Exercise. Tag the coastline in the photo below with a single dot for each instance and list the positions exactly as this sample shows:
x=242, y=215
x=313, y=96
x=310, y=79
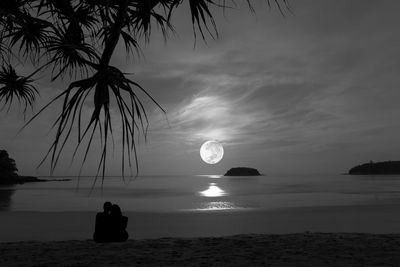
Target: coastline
x=301, y=249
x=18, y=226
x=27, y=179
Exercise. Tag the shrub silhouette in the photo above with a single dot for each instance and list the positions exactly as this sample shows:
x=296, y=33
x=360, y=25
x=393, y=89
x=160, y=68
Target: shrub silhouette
x=8, y=168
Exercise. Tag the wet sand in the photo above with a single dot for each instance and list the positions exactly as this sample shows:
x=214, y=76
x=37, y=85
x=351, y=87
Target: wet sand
x=302, y=249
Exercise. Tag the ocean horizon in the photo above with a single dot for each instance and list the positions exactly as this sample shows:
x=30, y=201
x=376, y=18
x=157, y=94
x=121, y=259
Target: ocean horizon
x=177, y=193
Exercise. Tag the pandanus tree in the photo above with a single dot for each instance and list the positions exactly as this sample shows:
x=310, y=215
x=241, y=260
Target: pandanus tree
x=76, y=39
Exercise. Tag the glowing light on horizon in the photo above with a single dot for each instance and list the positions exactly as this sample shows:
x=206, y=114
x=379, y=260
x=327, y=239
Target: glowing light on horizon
x=213, y=191
x=214, y=176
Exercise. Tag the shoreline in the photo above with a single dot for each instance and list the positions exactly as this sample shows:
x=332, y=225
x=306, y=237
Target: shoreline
x=28, y=179
x=57, y=226
x=300, y=249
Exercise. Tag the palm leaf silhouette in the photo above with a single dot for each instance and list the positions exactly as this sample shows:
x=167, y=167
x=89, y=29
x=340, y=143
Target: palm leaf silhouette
x=106, y=82
x=31, y=33
x=68, y=52
x=15, y=86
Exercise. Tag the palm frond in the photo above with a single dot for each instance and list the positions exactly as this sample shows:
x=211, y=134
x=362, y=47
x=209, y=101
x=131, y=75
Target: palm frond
x=11, y=7
x=200, y=14
x=130, y=43
x=85, y=16
x=69, y=53
x=5, y=50
x=282, y=5
x=56, y=7
x=31, y=33
x=10, y=13
x=100, y=3
x=12, y=85
x=108, y=83
x=142, y=15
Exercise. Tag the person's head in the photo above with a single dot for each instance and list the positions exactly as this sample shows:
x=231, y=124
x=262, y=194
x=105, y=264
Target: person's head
x=107, y=207
x=116, y=210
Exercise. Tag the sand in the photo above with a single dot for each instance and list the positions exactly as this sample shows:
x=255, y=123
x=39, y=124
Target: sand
x=303, y=249
x=285, y=237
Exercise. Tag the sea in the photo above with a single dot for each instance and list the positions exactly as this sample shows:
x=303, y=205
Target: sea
x=202, y=193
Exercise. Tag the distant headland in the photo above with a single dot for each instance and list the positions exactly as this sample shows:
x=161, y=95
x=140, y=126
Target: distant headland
x=385, y=167
x=9, y=175
x=242, y=171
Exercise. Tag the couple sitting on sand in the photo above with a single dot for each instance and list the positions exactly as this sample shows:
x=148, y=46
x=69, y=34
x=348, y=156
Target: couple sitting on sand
x=110, y=225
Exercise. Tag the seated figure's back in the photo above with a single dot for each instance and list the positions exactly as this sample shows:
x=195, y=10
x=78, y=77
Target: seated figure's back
x=102, y=232
x=118, y=224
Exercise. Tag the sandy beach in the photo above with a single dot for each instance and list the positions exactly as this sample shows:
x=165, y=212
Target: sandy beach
x=285, y=237
x=302, y=249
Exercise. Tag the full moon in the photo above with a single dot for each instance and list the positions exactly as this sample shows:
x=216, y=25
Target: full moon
x=211, y=152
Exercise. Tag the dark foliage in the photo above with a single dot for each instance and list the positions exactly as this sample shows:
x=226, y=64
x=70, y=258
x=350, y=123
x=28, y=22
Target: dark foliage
x=386, y=167
x=8, y=172
x=8, y=169
x=15, y=86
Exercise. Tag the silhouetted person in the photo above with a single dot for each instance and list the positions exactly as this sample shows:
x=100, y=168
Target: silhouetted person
x=118, y=225
x=102, y=229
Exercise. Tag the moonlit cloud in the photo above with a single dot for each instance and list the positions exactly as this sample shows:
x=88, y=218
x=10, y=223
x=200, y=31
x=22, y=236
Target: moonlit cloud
x=215, y=117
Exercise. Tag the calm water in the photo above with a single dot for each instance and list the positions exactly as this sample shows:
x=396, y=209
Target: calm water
x=203, y=193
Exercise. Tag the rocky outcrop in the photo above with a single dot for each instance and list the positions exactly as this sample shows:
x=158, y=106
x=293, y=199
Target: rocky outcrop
x=242, y=171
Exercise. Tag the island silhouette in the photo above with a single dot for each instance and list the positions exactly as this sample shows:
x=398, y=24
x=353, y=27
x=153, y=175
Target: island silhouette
x=9, y=172
x=242, y=171
x=385, y=167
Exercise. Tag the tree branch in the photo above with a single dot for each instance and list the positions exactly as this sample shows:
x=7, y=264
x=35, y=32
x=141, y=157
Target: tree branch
x=113, y=39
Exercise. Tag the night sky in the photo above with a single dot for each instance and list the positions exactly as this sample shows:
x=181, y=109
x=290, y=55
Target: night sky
x=316, y=91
